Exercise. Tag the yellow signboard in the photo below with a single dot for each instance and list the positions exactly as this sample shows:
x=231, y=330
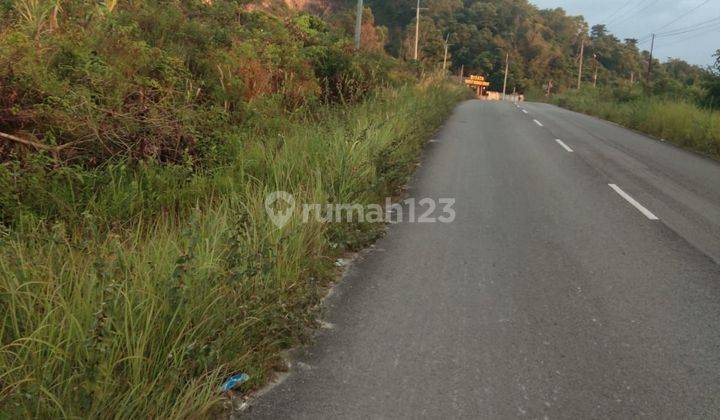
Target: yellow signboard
x=475, y=82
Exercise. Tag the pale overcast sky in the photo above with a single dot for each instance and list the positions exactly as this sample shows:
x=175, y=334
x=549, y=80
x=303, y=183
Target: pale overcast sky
x=696, y=34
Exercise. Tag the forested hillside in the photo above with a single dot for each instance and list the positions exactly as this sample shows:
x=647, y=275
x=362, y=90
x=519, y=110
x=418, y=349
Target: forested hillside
x=673, y=100
x=543, y=45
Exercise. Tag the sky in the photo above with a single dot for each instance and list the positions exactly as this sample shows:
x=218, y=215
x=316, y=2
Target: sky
x=639, y=18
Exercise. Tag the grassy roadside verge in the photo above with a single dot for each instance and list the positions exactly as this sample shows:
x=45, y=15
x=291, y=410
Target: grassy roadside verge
x=132, y=292
x=682, y=123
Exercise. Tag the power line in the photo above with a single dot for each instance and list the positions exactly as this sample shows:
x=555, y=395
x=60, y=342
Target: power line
x=693, y=36
x=683, y=15
x=632, y=5
x=692, y=25
x=631, y=11
x=700, y=26
x=613, y=14
x=642, y=9
x=708, y=26
x=694, y=28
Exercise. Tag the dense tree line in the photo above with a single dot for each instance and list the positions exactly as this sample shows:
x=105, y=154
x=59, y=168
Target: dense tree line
x=543, y=46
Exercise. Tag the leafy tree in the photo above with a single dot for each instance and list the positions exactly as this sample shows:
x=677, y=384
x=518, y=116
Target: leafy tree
x=542, y=44
x=712, y=83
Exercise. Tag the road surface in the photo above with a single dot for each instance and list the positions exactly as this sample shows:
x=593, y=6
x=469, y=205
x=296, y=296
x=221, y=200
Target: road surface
x=580, y=279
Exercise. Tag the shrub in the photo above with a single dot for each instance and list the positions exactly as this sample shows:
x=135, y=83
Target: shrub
x=681, y=122
x=131, y=291
x=167, y=82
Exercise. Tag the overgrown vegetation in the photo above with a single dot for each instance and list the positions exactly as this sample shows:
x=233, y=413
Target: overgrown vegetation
x=681, y=122
x=134, y=292
x=166, y=81
x=139, y=139
x=688, y=117
x=138, y=268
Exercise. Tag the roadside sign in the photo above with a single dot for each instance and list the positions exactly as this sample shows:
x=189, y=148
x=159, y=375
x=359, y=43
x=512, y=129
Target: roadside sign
x=475, y=80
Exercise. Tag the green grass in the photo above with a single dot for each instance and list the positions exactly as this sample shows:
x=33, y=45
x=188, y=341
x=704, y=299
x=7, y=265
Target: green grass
x=132, y=292
x=680, y=122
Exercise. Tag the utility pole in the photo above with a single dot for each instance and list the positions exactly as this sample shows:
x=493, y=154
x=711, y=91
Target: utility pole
x=507, y=66
x=358, y=24
x=417, y=30
x=652, y=47
x=447, y=44
x=582, y=52
x=596, y=70
x=462, y=72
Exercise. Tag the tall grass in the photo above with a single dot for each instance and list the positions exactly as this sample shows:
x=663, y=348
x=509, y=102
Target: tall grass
x=679, y=122
x=132, y=292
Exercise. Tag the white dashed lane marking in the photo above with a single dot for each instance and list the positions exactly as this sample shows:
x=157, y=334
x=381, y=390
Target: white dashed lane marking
x=632, y=201
x=564, y=146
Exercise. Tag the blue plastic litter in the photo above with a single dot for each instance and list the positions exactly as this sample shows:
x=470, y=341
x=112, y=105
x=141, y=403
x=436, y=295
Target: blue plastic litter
x=235, y=381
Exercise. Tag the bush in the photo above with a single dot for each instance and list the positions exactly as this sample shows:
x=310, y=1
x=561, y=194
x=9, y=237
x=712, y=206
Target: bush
x=138, y=267
x=167, y=82
x=680, y=122
x=712, y=92
x=132, y=291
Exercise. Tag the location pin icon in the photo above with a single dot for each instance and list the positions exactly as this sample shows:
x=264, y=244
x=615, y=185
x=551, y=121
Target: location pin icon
x=277, y=216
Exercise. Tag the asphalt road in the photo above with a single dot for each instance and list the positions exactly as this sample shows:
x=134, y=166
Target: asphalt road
x=552, y=295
